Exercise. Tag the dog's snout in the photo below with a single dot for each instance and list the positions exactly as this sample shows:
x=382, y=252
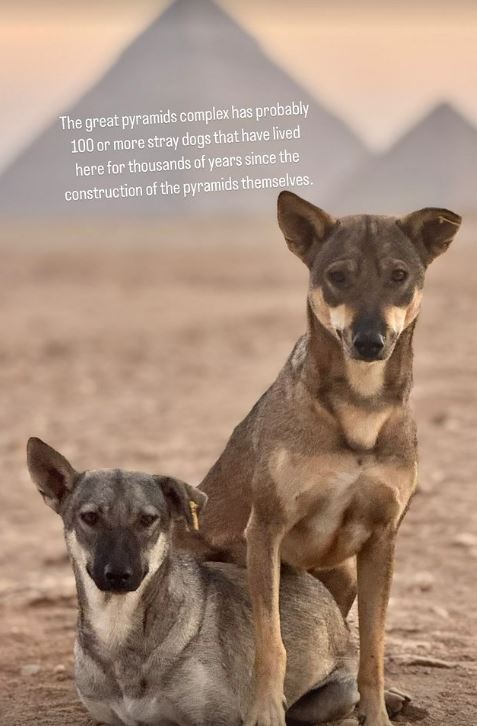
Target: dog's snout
x=118, y=578
x=117, y=565
x=369, y=344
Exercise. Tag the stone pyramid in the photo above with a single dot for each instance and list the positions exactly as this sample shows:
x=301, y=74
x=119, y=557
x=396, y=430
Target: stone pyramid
x=432, y=164
x=194, y=55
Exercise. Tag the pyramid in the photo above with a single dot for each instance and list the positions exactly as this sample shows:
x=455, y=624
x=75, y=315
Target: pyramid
x=433, y=164
x=193, y=56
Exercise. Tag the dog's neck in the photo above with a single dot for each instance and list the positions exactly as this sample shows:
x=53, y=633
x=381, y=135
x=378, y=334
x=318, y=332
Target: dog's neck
x=156, y=613
x=112, y=618
x=330, y=376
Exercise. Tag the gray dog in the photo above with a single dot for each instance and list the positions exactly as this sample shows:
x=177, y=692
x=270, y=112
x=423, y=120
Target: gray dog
x=163, y=638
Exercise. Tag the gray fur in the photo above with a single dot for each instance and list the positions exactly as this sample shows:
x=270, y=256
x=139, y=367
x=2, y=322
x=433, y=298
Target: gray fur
x=178, y=650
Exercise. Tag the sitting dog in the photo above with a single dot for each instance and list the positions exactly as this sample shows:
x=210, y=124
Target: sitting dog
x=321, y=471
x=164, y=639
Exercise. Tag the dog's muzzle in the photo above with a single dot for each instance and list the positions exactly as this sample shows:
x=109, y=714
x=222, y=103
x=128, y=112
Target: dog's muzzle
x=368, y=345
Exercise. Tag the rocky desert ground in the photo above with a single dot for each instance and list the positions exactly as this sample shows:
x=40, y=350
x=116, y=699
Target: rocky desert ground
x=146, y=358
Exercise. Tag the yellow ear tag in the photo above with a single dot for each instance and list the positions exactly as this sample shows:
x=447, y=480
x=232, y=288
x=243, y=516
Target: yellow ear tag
x=193, y=510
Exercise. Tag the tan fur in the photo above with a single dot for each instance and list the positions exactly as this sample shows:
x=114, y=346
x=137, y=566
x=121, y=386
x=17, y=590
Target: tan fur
x=375, y=570
x=413, y=309
x=399, y=318
x=270, y=657
x=395, y=318
x=361, y=429
x=321, y=471
x=331, y=503
x=366, y=379
x=334, y=319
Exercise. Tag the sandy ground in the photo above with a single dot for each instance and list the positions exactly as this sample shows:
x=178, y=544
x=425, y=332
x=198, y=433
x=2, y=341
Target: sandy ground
x=147, y=360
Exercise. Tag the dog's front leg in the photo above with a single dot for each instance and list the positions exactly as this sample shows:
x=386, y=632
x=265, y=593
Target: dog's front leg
x=263, y=566
x=375, y=566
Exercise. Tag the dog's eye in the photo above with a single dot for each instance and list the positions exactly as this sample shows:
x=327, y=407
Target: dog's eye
x=337, y=277
x=398, y=275
x=146, y=520
x=90, y=518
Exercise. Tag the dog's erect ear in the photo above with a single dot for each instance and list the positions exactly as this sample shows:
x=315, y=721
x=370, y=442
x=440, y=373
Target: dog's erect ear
x=51, y=472
x=432, y=230
x=304, y=226
x=184, y=500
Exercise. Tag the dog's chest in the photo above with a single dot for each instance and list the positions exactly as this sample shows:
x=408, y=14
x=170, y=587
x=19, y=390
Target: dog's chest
x=190, y=698
x=361, y=428
x=122, y=689
x=114, y=700
x=334, y=502
x=152, y=710
x=113, y=621
x=135, y=692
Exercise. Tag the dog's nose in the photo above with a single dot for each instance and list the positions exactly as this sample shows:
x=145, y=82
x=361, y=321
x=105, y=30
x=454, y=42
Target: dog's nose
x=369, y=344
x=118, y=578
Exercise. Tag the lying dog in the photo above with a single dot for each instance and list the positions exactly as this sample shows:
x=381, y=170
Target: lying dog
x=164, y=639
x=324, y=466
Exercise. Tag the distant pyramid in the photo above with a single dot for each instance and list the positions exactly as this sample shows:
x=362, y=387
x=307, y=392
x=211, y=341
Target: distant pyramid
x=432, y=164
x=191, y=57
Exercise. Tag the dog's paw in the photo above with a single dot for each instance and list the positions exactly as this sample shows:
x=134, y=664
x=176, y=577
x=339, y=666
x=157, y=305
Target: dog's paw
x=266, y=712
x=365, y=720
x=373, y=719
x=396, y=701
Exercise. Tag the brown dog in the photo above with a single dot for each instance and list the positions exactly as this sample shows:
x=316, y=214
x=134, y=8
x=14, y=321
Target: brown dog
x=321, y=471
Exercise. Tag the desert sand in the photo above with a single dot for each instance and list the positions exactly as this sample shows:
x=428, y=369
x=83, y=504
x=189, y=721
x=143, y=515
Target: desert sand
x=146, y=360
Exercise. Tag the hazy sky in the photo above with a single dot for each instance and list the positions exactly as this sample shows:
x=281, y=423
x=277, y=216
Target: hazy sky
x=378, y=64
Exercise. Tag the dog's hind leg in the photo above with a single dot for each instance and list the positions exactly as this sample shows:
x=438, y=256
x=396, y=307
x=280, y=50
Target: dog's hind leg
x=335, y=700
x=341, y=582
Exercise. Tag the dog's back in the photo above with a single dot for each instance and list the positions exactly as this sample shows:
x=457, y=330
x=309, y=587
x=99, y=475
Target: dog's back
x=316, y=636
